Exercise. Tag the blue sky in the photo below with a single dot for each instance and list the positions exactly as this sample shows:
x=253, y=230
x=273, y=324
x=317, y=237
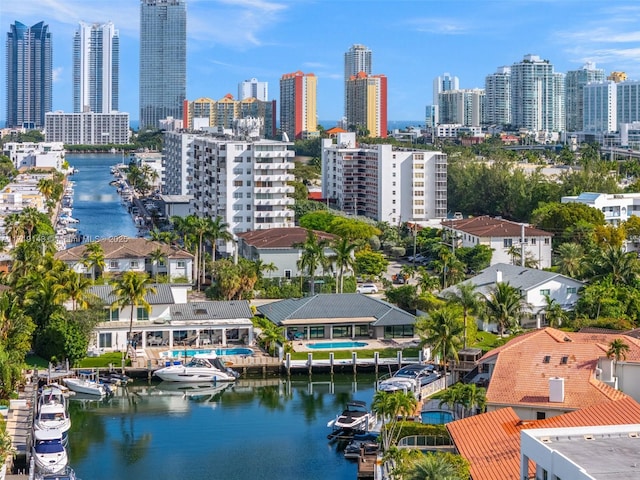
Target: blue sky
x=412, y=41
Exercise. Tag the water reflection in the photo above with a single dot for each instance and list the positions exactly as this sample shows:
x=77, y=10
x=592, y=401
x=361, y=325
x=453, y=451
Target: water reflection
x=272, y=428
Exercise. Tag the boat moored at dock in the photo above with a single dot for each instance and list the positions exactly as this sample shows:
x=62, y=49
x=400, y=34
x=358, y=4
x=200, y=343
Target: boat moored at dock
x=355, y=418
x=49, y=453
x=203, y=367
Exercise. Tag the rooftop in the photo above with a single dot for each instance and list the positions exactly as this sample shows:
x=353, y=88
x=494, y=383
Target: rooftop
x=123, y=247
x=280, y=237
x=485, y=226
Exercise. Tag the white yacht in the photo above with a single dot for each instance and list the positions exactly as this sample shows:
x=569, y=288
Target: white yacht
x=49, y=453
x=86, y=383
x=354, y=418
x=51, y=412
x=203, y=367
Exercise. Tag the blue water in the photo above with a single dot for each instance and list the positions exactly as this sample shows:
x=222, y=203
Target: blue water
x=96, y=203
x=317, y=346
x=219, y=351
x=268, y=428
x=436, y=417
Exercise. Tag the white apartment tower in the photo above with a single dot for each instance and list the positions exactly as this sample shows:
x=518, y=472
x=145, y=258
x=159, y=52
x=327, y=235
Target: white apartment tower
x=599, y=112
x=176, y=165
x=244, y=182
x=442, y=84
x=253, y=89
x=382, y=182
x=628, y=107
x=534, y=103
x=96, y=57
x=462, y=107
x=357, y=59
x=575, y=81
x=497, y=88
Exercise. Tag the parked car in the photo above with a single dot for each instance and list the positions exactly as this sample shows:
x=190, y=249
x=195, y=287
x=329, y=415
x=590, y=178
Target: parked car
x=399, y=279
x=367, y=288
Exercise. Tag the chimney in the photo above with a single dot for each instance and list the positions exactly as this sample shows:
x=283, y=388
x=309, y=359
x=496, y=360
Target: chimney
x=556, y=389
x=498, y=276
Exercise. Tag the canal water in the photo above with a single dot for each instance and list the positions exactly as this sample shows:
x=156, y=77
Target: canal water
x=96, y=203
x=255, y=429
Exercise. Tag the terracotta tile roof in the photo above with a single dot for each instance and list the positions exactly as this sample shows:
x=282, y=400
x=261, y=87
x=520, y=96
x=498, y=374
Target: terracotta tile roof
x=485, y=226
x=491, y=441
x=522, y=371
x=123, y=247
x=280, y=237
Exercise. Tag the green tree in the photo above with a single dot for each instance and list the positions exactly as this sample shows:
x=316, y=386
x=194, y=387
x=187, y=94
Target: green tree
x=344, y=258
x=131, y=290
x=559, y=218
x=469, y=299
x=312, y=256
x=618, y=350
x=390, y=407
x=442, y=330
x=622, y=267
x=74, y=287
x=93, y=258
x=570, y=260
x=553, y=312
x=369, y=263
x=157, y=256
x=433, y=466
x=504, y=306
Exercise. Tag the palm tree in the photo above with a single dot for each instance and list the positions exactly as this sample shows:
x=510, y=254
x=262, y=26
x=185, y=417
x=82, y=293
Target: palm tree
x=623, y=267
x=553, y=312
x=13, y=227
x=389, y=406
x=426, y=281
x=75, y=287
x=131, y=289
x=442, y=330
x=432, y=466
x=469, y=299
x=504, y=305
x=217, y=230
x=156, y=257
x=29, y=219
x=570, y=260
x=344, y=258
x=473, y=397
x=312, y=256
x=93, y=258
x=262, y=267
x=618, y=350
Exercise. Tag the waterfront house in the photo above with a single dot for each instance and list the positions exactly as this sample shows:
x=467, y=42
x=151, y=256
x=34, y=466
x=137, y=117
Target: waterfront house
x=534, y=284
x=172, y=321
x=339, y=316
x=549, y=372
x=122, y=254
x=506, y=239
x=280, y=247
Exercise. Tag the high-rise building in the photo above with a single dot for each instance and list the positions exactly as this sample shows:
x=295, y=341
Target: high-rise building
x=599, y=113
x=357, y=59
x=534, y=103
x=498, y=97
x=96, y=64
x=253, y=89
x=87, y=128
x=383, y=182
x=29, y=75
x=575, y=82
x=462, y=107
x=298, y=105
x=442, y=84
x=163, y=60
x=628, y=99
x=367, y=103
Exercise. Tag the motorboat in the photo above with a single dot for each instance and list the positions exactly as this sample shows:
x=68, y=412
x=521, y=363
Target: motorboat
x=360, y=443
x=354, y=418
x=51, y=411
x=49, y=453
x=410, y=378
x=66, y=474
x=203, y=367
x=86, y=383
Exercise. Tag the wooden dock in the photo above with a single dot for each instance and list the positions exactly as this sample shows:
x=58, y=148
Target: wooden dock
x=19, y=423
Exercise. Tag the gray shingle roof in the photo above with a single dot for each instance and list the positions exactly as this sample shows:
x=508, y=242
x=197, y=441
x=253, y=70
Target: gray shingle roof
x=163, y=295
x=328, y=306
x=211, y=310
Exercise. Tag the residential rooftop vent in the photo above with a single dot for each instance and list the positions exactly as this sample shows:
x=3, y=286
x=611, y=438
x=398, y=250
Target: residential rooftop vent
x=589, y=437
x=547, y=359
x=200, y=311
x=564, y=360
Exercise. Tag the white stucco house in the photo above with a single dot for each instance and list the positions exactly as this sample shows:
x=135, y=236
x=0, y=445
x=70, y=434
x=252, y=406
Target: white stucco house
x=534, y=284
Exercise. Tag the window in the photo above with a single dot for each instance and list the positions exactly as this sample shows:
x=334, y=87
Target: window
x=316, y=332
x=114, y=264
x=545, y=291
x=287, y=274
x=572, y=290
x=180, y=264
x=541, y=415
x=396, y=331
x=361, y=330
x=237, y=183
x=142, y=314
x=546, y=241
x=507, y=242
x=134, y=264
x=533, y=241
x=111, y=314
x=342, y=331
x=104, y=340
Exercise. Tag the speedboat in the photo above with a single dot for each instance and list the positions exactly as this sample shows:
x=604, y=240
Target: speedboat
x=359, y=443
x=203, y=367
x=86, y=383
x=66, y=474
x=51, y=412
x=410, y=378
x=354, y=418
x=49, y=453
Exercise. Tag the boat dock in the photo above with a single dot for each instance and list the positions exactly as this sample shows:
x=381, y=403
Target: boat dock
x=19, y=424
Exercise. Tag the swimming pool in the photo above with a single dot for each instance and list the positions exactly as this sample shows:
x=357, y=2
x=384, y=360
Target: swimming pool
x=436, y=417
x=219, y=351
x=318, y=346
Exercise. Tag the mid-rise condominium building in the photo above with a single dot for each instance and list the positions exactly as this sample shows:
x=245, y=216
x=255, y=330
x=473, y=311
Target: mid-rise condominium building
x=628, y=107
x=383, y=182
x=96, y=59
x=29, y=75
x=253, y=89
x=600, y=107
x=205, y=112
x=163, y=60
x=575, y=81
x=87, y=128
x=463, y=107
x=497, y=88
x=176, y=176
x=357, y=59
x=298, y=105
x=441, y=84
x=244, y=182
x=536, y=102
x=367, y=104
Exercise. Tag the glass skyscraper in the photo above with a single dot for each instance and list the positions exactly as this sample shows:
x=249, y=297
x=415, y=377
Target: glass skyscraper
x=96, y=58
x=163, y=60
x=29, y=75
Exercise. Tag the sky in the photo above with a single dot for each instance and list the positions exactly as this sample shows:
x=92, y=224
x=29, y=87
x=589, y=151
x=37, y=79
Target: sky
x=413, y=41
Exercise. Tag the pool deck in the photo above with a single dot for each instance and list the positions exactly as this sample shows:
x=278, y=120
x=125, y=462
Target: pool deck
x=372, y=344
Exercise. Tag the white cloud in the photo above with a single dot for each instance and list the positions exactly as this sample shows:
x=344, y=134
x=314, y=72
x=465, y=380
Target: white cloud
x=56, y=73
x=440, y=26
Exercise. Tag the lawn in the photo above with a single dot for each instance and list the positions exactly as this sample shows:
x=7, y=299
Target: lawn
x=103, y=361
x=487, y=341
